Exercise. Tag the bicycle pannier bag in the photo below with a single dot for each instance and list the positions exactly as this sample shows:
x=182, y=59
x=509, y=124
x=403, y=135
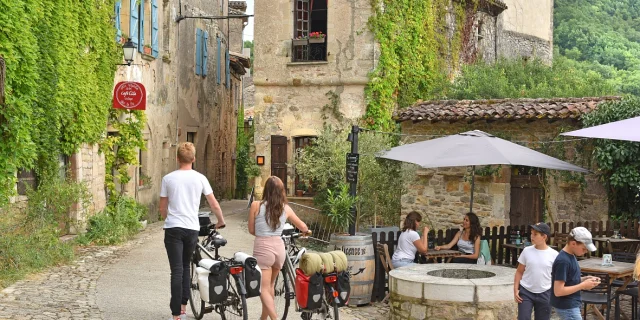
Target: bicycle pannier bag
x=203, y=282
x=309, y=290
x=252, y=273
x=218, y=279
x=205, y=221
x=344, y=288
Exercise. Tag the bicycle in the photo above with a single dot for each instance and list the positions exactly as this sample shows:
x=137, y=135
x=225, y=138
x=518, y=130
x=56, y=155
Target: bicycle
x=285, y=282
x=235, y=306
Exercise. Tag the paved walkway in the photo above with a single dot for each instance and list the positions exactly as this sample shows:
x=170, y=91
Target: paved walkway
x=130, y=281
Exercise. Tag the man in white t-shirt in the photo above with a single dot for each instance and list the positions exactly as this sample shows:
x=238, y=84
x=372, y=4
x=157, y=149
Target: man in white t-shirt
x=532, y=282
x=179, y=205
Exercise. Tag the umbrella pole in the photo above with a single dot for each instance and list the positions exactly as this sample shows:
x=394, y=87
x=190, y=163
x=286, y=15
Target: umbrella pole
x=473, y=182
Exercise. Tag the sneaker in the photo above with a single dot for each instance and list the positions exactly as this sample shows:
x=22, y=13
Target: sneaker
x=183, y=315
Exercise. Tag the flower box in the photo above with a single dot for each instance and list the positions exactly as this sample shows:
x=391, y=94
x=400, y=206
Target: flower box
x=316, y=40
x=147, y=50
x=299, y=42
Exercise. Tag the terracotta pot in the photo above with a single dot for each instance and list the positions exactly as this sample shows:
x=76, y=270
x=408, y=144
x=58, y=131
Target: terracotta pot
x=147, y=50
x=299, y=193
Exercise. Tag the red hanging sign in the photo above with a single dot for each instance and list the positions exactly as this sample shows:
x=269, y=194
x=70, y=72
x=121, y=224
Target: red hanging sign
x=130, y=95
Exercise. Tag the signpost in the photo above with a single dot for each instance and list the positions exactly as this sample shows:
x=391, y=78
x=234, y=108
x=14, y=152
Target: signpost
x=352, y=174
x=130, y=95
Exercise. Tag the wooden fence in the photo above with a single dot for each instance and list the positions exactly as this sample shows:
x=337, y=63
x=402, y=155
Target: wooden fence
x=497, y=236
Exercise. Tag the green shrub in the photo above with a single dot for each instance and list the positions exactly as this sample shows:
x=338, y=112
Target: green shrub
x=115, y=224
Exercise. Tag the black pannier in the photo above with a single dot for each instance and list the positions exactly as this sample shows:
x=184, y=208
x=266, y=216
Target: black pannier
x=218, y=280
x=252, y=273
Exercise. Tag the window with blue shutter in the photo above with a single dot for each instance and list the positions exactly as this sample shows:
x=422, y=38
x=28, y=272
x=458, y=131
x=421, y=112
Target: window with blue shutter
x=141, y=27
x=218, y=61
x=226, y=69
x=118, y=7
x=198, y=51
x=133, y=21
x=205, y=52
x=154, y=28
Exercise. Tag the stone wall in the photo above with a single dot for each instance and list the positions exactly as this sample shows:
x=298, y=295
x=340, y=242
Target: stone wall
x=444, y=193
x=526, y=29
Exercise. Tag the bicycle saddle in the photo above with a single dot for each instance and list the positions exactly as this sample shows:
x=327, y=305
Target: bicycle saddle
x=221, y=242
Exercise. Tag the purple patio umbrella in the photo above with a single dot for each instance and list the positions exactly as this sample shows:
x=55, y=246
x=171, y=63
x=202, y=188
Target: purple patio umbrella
x=474, y=148
x=628, y=130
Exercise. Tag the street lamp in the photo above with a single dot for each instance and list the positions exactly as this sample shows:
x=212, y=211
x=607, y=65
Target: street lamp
x=249, y=125
x=129, y=51
x=250, y=121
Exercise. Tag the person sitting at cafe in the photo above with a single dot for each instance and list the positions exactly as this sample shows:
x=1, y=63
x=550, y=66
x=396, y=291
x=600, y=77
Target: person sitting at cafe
x=532, y=281
x=410, y=241
x=467, y=240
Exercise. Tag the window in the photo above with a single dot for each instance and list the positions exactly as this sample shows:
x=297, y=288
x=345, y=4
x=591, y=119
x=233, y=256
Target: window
x=144, y=181
x=202, y=52
x=27, y=180
x=117, y=9
x=310, y=16
x=218, y=59
x=300, y=183
x=155, y=46
x=227, y=80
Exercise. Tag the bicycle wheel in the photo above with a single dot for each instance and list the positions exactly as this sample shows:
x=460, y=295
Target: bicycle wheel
x=235, y=307
x=283, y=294
x=196, y=302
x=336, y=310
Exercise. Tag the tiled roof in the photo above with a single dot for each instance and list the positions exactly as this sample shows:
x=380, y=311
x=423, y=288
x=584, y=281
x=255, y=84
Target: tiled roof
x=502, y=109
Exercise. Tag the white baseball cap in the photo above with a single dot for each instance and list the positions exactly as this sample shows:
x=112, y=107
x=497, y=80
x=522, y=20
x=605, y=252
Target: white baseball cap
x=581, y=234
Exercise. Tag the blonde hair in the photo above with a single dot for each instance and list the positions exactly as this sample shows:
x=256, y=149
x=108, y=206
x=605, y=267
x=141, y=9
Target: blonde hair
x=186, y=152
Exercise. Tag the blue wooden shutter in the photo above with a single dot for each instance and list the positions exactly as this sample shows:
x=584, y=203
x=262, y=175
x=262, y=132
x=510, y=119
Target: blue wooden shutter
x=154, y=28
x=198, y=51
x=118, y=7
x=133, y=21
x=205, y=52
x=141, y=27
x=218, y=61
x=226, y=69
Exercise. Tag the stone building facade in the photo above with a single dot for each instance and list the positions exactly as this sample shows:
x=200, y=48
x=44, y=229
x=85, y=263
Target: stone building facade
x=510, y=195
x=294, y=80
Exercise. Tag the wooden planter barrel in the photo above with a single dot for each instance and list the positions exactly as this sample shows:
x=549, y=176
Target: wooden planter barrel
x=360, y=254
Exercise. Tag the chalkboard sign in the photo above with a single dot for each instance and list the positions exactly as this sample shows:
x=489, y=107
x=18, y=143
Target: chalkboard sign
x=352, y=167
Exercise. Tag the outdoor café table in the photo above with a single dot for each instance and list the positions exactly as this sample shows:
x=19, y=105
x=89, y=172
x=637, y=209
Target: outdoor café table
x=615, y=241
x=517, y=249
x=446, y=255
x=619, y=270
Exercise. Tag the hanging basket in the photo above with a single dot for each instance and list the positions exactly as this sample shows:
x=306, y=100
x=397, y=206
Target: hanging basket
x=299, y=42
x=316, y=40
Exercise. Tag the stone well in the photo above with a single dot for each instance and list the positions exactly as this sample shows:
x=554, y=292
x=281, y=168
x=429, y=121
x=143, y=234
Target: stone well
x=452, y=291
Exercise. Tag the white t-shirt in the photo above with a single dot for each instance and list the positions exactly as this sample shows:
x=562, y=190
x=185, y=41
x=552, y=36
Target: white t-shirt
x=406, y=249
x=183, y=188
x=537, y=272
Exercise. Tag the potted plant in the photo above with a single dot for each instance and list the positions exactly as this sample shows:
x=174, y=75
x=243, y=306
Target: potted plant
x=301, y=188
x=147, y=49
x=145, y=181
x=300, y=41
x=123, y=38
x=316, y=37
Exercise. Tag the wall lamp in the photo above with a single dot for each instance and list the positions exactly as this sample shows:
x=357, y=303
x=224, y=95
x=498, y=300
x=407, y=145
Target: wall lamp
x=249, y=124
x=129, y=50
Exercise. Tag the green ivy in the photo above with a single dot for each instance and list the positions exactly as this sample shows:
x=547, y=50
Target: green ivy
x=413, y=54
x=60, y=58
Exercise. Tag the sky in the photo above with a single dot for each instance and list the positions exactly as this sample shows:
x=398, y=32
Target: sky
x=247, y=35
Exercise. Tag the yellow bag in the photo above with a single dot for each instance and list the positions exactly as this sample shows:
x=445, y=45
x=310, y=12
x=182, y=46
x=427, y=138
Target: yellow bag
x=340, y=259
x=327, y=260
x=310, y=263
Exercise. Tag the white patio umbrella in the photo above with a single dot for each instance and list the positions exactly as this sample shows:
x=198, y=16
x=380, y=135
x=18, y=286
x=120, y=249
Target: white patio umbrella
x=474, y=148
x=628, y=130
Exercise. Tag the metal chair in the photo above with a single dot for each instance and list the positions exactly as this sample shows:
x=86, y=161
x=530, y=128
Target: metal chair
x=633, y=293
x=631, y=289
x=600, y=294
x=385, y=259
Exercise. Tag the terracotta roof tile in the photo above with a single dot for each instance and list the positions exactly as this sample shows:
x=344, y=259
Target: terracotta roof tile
x=453, y=110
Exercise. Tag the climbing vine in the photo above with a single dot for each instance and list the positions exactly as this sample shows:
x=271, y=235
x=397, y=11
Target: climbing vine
x=60, y=58
x=418, y=53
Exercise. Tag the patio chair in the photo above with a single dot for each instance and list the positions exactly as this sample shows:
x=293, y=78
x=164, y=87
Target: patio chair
x=383, y=253
x=601, y=294
x=624, y=257
x=633, y=293
x=631, y=289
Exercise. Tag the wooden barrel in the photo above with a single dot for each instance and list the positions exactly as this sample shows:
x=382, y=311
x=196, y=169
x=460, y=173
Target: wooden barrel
x=360, y=254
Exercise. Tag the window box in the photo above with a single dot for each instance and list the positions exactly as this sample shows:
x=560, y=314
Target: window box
x=316, y=40
x=299, y=42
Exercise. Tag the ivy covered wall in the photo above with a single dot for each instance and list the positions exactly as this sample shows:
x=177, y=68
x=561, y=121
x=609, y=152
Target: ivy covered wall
x=60, y=61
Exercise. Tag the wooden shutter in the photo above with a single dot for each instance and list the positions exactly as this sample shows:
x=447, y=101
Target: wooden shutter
x=133, y=21
x=118, y=7
x=154, y=28
x=279, y=158
x=198, y=51
x=141, y=27
x=218, y=61
x=205, y=52
x=226, y=69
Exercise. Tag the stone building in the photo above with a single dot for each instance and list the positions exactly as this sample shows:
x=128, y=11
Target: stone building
x=512, y=195
x=192, y=79
x=294, y=80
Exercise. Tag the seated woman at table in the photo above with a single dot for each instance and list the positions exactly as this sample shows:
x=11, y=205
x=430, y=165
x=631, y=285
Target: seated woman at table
x=410, y=241
x=467, y=239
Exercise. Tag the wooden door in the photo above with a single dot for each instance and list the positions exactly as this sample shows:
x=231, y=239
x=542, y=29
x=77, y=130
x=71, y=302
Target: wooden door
x=527, y=196
x=279, y=158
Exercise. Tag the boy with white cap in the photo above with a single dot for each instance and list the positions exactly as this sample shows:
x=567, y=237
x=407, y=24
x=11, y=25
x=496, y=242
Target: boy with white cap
x=566, y=280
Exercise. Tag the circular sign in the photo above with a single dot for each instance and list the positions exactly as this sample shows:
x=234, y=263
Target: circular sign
x=129, y=95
